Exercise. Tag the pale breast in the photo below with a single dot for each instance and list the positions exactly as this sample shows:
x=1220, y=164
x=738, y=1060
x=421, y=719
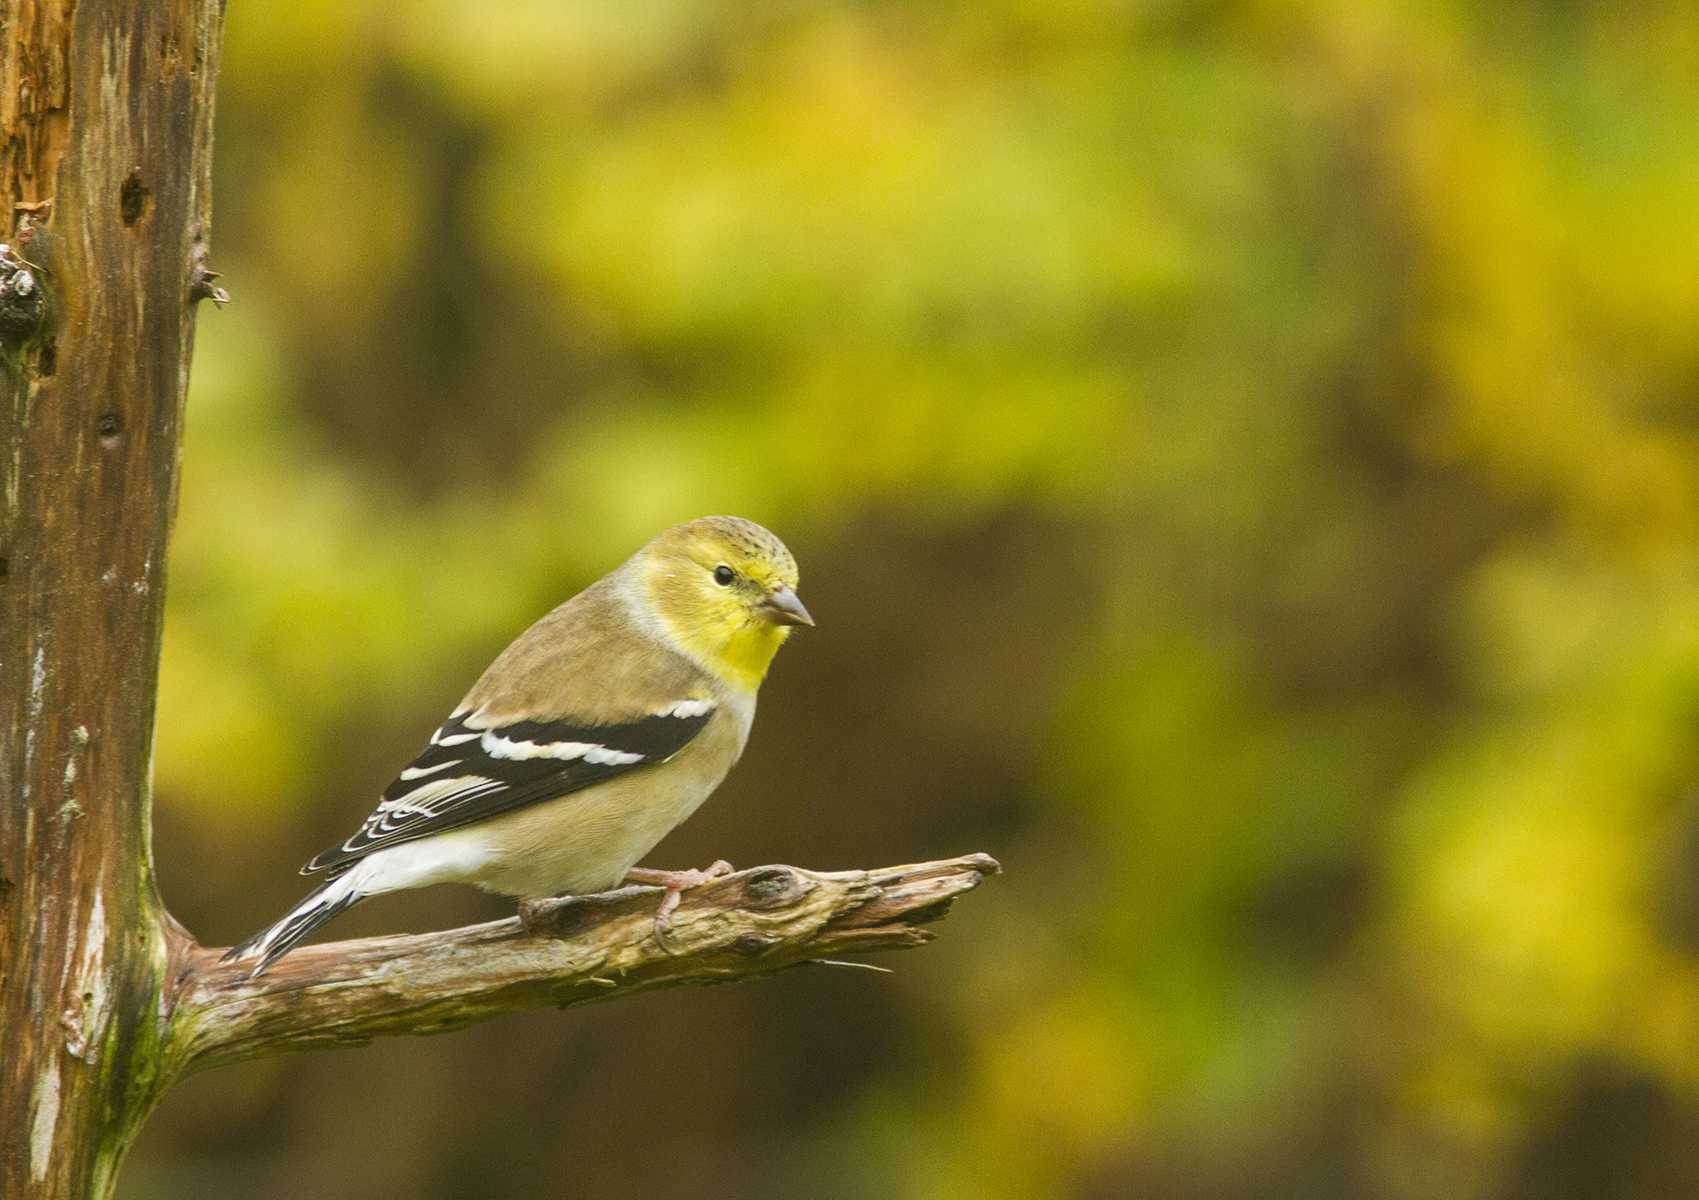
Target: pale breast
x=586, y=841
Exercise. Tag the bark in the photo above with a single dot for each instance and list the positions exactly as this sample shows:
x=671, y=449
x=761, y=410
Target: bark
x=105, y=148
x=105, y=1002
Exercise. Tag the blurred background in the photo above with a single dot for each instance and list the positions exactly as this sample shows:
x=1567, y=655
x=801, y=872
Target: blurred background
x=1244, y=459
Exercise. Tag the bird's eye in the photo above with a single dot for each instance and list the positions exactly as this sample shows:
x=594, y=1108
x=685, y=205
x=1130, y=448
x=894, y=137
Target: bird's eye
x=723, y=575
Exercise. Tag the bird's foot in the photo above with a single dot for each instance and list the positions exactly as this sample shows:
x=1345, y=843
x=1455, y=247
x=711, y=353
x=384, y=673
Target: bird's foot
x=534, y=914
x=675, y=882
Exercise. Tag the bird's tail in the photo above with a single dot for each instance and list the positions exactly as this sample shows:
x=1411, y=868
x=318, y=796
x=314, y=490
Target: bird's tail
x=322, y=903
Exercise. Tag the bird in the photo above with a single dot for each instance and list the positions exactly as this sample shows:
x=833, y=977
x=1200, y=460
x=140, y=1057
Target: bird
x=600, y=729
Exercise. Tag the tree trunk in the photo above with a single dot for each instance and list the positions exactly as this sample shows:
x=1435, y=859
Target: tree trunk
x=106, y=121
x=105, y=1002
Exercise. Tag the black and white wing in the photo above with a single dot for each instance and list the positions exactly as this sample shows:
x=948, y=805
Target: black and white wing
x=474, y=769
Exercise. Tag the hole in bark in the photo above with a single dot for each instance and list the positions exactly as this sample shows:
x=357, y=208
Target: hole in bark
x=110, y=426
x=568, y=918
x=5, y=568
x=753, y=945
x=134, y=199
x=23, y=303
x=769, y=883
x=47, y=359
x=773, y=887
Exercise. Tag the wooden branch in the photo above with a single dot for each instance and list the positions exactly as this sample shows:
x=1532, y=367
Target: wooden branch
x=589, y=948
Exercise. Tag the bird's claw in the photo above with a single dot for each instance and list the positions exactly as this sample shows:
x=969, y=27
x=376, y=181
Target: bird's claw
x=675, y=882
x=533, y=912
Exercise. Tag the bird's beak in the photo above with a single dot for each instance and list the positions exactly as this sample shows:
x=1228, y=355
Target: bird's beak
x=781, y=607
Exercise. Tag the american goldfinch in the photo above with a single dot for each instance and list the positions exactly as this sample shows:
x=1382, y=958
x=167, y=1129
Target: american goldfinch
x=601, y=728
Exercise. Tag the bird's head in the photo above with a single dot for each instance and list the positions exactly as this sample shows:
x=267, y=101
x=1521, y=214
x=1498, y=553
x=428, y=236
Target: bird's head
x=724, y=589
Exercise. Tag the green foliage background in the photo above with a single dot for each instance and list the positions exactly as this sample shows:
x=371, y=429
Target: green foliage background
x=1243, y=458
